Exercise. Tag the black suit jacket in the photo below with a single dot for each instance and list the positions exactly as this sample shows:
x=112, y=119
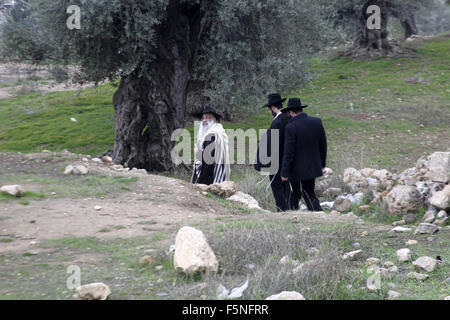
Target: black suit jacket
x=279, y=123
x=305, y=149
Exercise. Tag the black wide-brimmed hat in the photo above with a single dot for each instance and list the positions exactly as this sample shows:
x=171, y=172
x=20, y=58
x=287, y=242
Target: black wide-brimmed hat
x=208, y=109
x=273, y=99
x=294, y=104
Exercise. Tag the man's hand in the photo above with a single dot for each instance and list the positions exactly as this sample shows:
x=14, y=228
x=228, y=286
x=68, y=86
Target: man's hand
x=284, y=179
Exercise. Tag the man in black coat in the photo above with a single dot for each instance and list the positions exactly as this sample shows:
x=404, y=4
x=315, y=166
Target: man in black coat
x=305, y=155
x=274, y=139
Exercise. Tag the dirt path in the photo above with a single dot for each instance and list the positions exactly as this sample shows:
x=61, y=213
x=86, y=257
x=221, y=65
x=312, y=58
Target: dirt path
x=150, y=205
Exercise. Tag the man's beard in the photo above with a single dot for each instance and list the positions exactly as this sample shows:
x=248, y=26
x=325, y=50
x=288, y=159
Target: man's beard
x=202, y=131
x=274, y=114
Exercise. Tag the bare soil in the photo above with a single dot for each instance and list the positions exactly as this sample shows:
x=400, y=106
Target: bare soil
x=152, y=204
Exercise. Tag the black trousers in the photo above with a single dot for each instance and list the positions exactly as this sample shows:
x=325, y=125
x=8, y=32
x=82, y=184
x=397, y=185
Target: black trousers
x=280, y=192
x=303, y=189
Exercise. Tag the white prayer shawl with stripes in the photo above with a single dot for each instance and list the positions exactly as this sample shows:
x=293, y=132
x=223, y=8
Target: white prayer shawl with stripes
x=221, y=155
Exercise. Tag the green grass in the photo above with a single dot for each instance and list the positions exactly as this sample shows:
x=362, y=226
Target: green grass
x=72, y=186
x=28, y=195
x=50, y=127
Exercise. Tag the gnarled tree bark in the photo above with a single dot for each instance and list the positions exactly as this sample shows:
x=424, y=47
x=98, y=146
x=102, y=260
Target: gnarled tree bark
x=375, y=39
x=147, y=111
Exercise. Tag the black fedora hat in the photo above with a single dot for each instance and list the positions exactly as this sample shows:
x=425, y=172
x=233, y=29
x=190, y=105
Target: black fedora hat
x=208, y=109
x=294, y=103
x=273, y=99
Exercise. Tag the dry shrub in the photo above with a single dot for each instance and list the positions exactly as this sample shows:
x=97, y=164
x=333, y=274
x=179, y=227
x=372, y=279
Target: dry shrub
x=254, y=253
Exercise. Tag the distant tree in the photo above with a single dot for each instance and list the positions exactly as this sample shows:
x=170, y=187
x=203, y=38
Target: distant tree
x=355, y=14
x=237, y=49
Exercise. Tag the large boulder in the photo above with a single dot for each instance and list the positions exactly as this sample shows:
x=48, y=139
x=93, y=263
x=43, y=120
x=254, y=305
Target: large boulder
x=403, y=199
x=225, y=189
x=193, y=253
x=439, y=167
x=13, y=190
x=441, y=199
x=93, y=291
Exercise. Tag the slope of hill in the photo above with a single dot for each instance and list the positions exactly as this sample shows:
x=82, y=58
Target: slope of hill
x=383, y=112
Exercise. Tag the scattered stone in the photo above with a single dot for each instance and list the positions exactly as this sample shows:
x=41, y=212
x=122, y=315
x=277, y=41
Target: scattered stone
x=392, y=285
x=334, y=212
x=403, y=199
x=98, y=208
x=393, y=269
x=425, y=263
x=399, y=223
x=442, y=214
x=418, y=276
x=294, y=219
x=327, y=172
x=439, y=167
x=441, y=199
x=68, y=170
x=225, y=189
x=364, y=234
x=411, y=242
x=429, y=216
x=145, y=260
x=159, y=268
x=93, y=291
x=426, y=228
x=326, y=205
x=356, y=245
x=73, y=119
x=363, y=209
x=13, y=190
x=140, y=171
x=286, y=260
x=332, y=192
x=388, y=264
x=313, y=251
x=98, y=160
x=287, y=295
x=372, y=261
x=353, y=255
x=441, y=222
x=107, y=159
x=393, y=294
x=202, y=187
x=245, y=199
x=404, y=255
x=193, y=253
x=400, y=230
x=354, y=180
x=117, y=167
x=410, y=218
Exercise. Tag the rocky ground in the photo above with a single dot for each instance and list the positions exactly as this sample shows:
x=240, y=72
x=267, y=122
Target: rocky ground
x=71, y=206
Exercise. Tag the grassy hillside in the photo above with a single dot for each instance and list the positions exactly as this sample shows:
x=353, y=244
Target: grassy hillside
x=372, y=115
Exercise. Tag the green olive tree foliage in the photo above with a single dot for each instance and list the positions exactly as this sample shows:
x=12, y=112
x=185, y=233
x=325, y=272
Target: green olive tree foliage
x=237, y=50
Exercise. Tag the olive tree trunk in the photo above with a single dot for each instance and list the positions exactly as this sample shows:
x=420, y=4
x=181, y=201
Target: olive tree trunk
x=149, y=109
x=372, y=39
